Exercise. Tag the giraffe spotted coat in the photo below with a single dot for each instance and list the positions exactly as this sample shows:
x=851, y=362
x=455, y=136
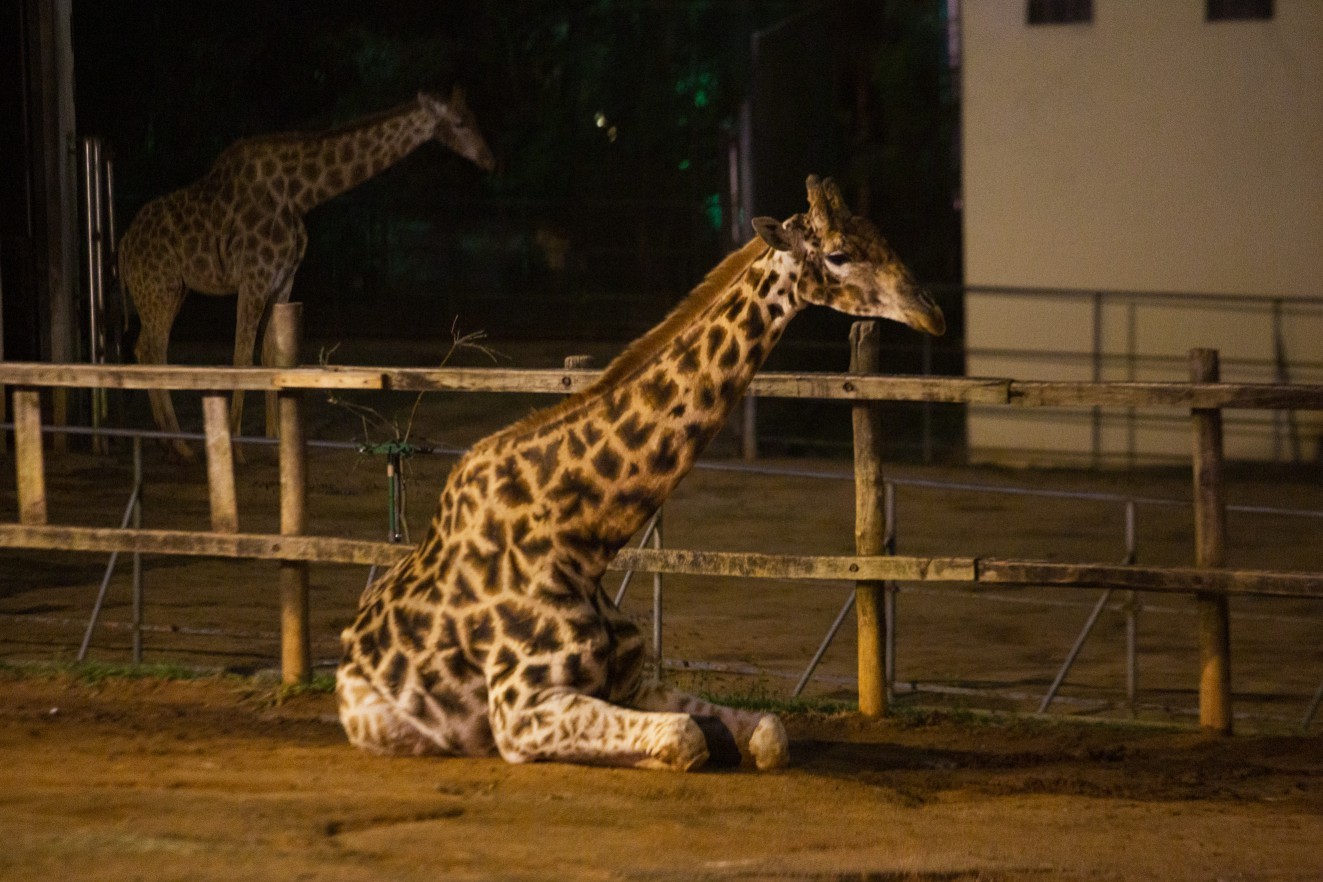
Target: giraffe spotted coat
x=494, y=634
x=239, y=229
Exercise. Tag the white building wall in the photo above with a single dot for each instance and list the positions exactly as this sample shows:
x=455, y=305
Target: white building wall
x=1147, y=151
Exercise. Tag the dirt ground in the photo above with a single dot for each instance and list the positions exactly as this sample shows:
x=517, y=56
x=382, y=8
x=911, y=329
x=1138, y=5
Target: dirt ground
x=210, y=779
x=157, y=779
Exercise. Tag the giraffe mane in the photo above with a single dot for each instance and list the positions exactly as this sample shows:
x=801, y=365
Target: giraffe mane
x=717, y=280
x=299, y=136
x=645, y=347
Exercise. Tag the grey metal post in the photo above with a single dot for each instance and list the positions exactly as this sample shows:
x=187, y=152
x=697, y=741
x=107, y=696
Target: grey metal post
x=644, y=539
x=1092, y=620
x=657, y=600
x=130, y=511
x=137, y=556
x=889, y=590
x=1132, y=606
x=749, y=428
x=1097, y=374
x=1313, y=706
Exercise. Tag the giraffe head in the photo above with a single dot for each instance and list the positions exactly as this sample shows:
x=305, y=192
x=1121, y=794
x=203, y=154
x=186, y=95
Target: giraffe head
x=455, y=126
x=847, y=265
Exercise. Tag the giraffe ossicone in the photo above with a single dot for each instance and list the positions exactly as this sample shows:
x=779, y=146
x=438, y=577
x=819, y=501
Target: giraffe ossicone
x=494, y=635
x=238, y=230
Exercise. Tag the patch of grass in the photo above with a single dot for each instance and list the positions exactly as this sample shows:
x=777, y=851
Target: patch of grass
x=97, y=672
x=267, y=690
x=917, y=717
x=320, y=684
x=759, y=700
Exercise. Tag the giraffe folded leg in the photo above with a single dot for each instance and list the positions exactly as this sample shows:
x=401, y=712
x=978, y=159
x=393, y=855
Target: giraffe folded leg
x=760, y=738
x=372, y=722
x=567, y=726
x=412, y=724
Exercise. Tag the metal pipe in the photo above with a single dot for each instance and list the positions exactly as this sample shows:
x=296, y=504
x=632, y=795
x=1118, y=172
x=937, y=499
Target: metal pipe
x=643, y=541
x=926, y=408
x=124, y=522
x=1092, y=620
x=1313, y=706
x=826, y=642
x=890, y=589
x=1131, y=614
x=137, y=556
x=749, y=429
x=657, y=599
x=1097, y=375
x=1075, y=650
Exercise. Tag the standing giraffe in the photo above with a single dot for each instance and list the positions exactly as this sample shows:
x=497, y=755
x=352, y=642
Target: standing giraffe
x=494, y=634
x=239, y=229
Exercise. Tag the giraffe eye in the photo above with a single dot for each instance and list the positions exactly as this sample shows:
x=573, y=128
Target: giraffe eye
x=838, y=258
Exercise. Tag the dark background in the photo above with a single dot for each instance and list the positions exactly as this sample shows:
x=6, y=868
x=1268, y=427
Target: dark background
x=639, y=208
x=857, y=90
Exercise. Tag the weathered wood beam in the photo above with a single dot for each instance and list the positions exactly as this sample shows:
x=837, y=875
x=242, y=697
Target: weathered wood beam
x=295, y=630
x=1166, y=580
x=841, y=568
x=190, y=543
x=28, y=457
x=220, y=463
x=771, y=384
x=870, y=526
x=811, y=568
x=1210, y=532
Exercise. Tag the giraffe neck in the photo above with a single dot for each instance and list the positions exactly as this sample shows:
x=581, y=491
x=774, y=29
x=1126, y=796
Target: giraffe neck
x=315, y=168
x=626, y=442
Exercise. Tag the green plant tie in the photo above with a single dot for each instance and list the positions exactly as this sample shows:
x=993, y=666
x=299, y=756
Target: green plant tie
x=395, y=452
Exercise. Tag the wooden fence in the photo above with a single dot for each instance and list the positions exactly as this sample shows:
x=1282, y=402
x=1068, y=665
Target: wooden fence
x=1203, y=397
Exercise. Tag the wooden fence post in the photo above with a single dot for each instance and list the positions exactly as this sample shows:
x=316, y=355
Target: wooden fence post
x=220, y=463
x=28, y=457
x=869, y=524
x=1210, y=551
x=295, y=637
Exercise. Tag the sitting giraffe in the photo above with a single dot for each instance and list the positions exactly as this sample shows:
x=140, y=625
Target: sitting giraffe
x=239, y=229
x=494, y=634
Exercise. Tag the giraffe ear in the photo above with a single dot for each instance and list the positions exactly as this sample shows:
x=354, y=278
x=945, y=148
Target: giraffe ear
x=770, y=230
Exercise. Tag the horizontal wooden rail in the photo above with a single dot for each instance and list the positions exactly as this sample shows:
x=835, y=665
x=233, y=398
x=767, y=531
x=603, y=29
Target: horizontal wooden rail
x=771, y=384
x=813, y=568
x=842, y=568
x=255, y=546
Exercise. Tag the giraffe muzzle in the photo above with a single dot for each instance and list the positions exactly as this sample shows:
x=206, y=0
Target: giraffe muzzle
x=923, y=313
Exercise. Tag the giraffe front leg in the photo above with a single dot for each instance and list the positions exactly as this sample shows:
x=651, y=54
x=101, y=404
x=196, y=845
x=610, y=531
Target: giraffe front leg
x=269, y=355
x=153, y=340
x=565, y=726
x=248, y=317
x=760, y=738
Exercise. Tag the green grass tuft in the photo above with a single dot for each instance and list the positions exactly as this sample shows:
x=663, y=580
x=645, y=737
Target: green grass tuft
x=759, y=700
x=93, y=672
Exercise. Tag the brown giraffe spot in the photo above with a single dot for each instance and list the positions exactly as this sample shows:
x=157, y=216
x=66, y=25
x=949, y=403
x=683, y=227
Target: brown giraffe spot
x=607, y=463
x=396, y=670
x=665, y=458
x=730, y=356
x=511, y=487
x=716, y=336
x=634, y=432
x=753, y=325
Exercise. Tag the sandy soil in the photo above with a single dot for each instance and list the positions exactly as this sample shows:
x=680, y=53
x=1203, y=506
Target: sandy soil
x=153, y=779
x=210, y=779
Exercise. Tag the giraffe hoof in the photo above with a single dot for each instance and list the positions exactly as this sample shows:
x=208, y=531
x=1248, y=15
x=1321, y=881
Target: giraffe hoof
x=180, y=453
x=769, y=745
x=683, y=747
